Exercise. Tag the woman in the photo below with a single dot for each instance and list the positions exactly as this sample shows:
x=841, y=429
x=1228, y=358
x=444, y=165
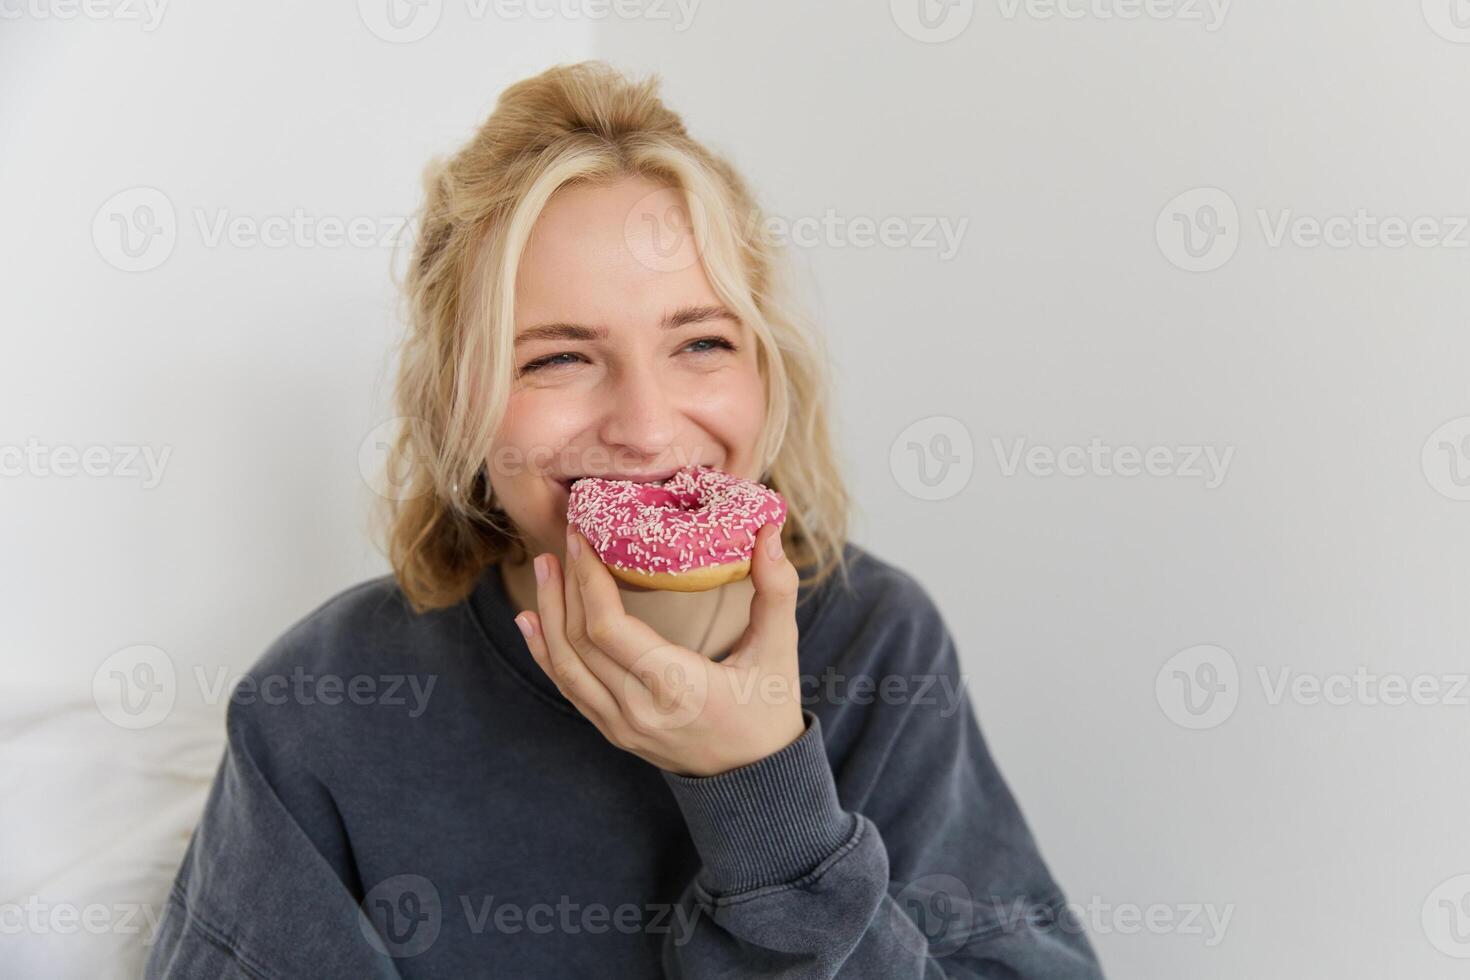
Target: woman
x=545, y=773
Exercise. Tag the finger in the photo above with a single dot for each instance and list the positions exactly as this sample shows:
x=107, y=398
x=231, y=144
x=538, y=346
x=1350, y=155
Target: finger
x=606, y=623
x=773, y=607
x=530, y=626
x=572, y=601
x=608, y=670
x=564, y=666
x=631, y=657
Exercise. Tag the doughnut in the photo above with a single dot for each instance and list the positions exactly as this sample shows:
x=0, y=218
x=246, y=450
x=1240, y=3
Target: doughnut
x=691, y=532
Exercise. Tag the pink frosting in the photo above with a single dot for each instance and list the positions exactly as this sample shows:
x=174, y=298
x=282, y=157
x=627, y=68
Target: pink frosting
x=698, y=517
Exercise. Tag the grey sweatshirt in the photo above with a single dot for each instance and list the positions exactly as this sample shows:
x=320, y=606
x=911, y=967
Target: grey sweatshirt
x=408, y=795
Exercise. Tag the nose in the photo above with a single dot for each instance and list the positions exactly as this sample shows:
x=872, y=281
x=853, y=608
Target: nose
x=641, y=416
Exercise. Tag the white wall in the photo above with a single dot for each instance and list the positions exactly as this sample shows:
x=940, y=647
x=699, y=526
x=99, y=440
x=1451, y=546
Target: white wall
x=1328, y=833
x=1320, y=829
x=258, y=369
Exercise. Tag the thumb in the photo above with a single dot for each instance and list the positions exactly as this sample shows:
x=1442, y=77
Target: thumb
x=772, y=630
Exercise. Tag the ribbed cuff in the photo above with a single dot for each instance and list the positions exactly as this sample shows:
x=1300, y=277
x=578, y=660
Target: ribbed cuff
x=767, y=823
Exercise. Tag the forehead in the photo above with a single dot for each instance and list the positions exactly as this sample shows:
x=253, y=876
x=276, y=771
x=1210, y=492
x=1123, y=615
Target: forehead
x=613, y=254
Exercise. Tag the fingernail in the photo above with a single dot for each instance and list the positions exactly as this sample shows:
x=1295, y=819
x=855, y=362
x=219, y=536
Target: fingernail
x=525, y=626
x=773, y=547
x=574, y=545
x=541, y=571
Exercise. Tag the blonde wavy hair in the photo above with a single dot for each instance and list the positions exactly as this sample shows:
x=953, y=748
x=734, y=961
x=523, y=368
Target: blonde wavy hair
x=575, y=123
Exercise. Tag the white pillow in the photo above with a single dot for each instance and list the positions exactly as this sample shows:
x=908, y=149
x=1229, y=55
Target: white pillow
x=94, y=818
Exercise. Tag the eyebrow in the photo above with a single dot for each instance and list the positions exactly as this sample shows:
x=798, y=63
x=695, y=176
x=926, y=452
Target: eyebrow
x=683, y=316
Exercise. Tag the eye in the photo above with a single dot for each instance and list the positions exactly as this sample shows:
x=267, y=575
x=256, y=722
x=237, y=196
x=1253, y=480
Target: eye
x=717, y=341
x=544, y=362
x=554, y=360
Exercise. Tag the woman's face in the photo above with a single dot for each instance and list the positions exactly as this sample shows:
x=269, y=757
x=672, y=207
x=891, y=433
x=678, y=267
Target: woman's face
x=627, y=363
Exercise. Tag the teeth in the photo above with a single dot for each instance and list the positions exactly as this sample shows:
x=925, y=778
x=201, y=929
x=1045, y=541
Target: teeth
x=567, y=483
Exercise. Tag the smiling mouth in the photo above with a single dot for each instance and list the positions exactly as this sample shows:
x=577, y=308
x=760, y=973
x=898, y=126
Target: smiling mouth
x=566, y=482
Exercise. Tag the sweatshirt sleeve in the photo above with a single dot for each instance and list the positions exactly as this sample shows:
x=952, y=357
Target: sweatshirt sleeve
x=793, y=885
x=262, y=890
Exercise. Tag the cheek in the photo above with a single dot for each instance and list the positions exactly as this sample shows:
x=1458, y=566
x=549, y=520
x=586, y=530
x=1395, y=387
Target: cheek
x=531, y=414
x=733, y=404
x=536, y=424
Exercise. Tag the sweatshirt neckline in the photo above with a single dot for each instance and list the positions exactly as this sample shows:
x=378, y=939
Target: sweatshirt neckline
x=490, y=603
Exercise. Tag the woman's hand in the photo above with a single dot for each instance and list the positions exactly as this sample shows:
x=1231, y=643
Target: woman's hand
x=664, y=703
